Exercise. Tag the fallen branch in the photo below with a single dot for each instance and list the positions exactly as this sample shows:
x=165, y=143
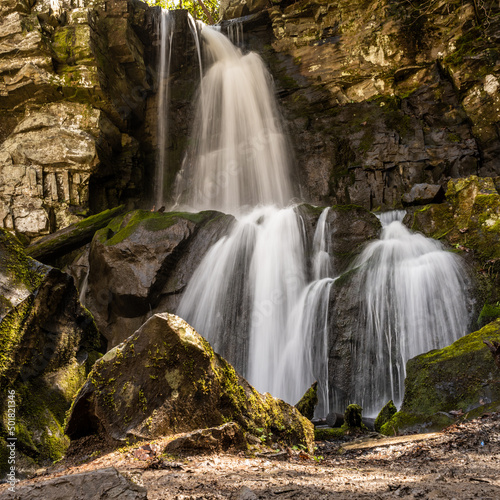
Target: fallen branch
x=70, y=238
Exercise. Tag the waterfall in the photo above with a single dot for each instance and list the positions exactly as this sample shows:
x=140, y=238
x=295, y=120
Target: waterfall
x=238, y=155
x=166, y=32
x=414, y=300
x=259, y=296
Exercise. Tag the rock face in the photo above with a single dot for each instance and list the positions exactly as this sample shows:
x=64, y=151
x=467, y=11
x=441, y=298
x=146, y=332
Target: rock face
x=73, y=88
x=379, y=96
x=48, y=343
x=461, y=378
x=95, y=484
x=167, y=379
x=141, y=262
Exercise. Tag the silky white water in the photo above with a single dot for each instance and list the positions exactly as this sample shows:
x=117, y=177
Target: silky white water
x=414, y=299
x=239, y=154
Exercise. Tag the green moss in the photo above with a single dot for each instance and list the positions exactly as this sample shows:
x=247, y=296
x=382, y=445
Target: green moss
x=328, y=434
x=465, y=46
x=11, y=333
x=457, y=377
x=123, y=227
x=353, y=419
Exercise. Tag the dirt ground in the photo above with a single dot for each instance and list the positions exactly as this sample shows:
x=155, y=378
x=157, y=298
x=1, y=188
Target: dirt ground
x=461, y=462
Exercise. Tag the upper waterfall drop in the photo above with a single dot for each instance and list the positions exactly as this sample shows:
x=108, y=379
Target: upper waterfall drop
x=239, y=155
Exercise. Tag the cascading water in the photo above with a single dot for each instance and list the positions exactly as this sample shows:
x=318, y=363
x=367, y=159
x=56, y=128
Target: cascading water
x=166, y=32
x=414, y=300
x=255, y=296
x=239, y=155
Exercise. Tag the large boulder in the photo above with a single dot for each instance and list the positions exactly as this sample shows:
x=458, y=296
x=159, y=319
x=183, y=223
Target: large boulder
x=461, y=378
x=141, y=262
x=166, y=379
x=48, y=343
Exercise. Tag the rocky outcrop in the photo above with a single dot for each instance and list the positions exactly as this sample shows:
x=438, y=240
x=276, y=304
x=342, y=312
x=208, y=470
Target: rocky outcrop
x=99, y=483
x=166, y=379
x=379, y=96
x=48, y=343
x=141, y=262
x=462, y=379
x=73, y=87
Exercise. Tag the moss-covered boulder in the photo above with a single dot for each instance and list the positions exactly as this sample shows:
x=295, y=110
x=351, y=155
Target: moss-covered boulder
x=353, y=420
x=47, y=345
x=308, y=402
x=461, y=378
x=386, y=413
x=141, y=263
x=166, y=379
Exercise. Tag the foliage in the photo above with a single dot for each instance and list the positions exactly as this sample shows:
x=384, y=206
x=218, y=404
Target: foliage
x=204, y=10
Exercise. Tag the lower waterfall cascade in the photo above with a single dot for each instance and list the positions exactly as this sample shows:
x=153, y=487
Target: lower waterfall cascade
x=259, y=296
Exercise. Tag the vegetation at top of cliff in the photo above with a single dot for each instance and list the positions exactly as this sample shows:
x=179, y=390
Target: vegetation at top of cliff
x=204, y=10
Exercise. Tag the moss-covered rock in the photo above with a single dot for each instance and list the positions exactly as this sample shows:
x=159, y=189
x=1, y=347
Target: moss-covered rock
x=308, y=402
x=386, y=413
x=47, y=345
x=469, y=220
x=460, y=378
x=166, y=379
x=353, y=420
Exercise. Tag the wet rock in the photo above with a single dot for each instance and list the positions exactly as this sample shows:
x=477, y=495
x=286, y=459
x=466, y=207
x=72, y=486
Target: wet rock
x=48, y=343
x=422, y=194
x=349, y=228
x=141, y=262
x=460, y=378
x=213, y=440
x=101, y=483
x=166, y=379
